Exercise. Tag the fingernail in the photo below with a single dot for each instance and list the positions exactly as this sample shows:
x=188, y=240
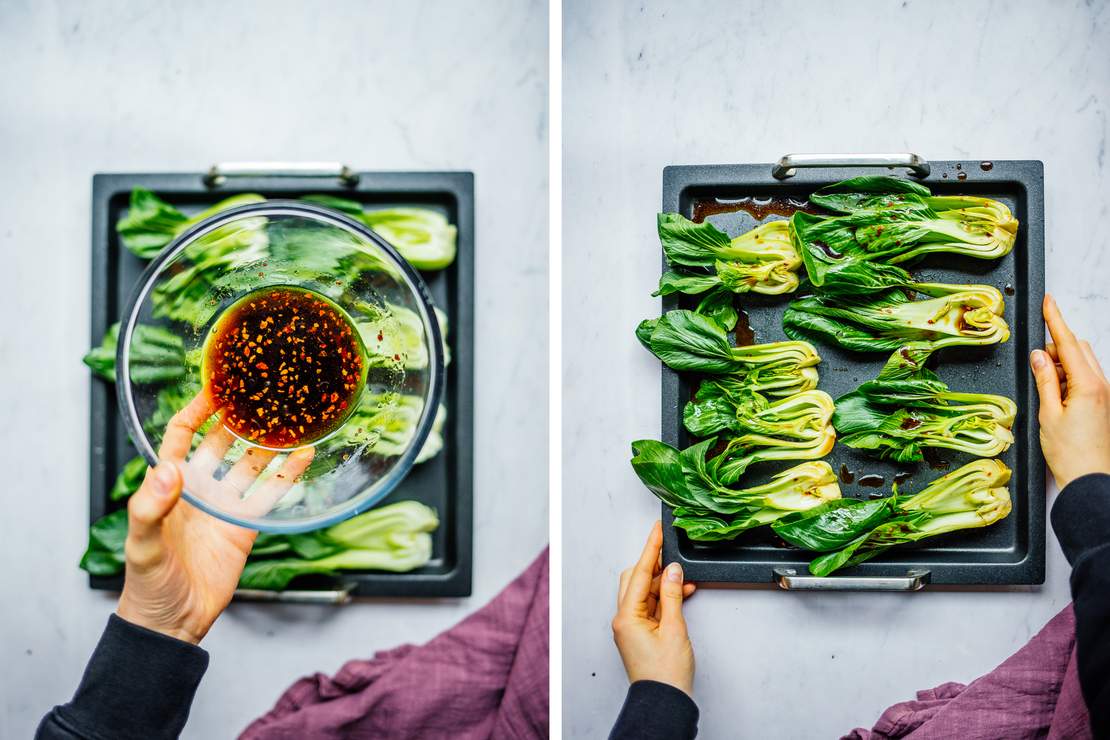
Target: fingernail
x=1037, y=359
x=165, y=477
x=674, y=573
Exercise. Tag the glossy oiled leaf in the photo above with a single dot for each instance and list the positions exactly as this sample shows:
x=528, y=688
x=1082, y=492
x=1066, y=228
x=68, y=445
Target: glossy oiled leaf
x=688, y=243
x=708, y=510
x=718, y=305
x=954, y=315
x=891, y=220
x=834, y=524
x=707, y=528
x=970, y=497
x=660, y=469
x=803, y=324
x=907, y=408
x=762, y=260
x=871, y=193
x=683, y=282
x=685, y=340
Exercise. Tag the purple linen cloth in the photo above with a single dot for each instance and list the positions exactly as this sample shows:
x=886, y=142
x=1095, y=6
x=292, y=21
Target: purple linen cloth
x=1033, y=694
x=486, y=677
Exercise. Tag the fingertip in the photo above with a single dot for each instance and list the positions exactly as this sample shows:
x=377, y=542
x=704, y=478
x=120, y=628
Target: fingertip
x=1038, y=359
x=167, y=478
x=673, y=573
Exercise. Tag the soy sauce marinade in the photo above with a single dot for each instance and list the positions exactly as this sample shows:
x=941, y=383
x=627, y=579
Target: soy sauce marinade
x=285, y=365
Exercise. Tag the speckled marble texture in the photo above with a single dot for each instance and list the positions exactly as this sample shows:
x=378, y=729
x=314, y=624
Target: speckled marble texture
x=169, y=86
x=652, y=84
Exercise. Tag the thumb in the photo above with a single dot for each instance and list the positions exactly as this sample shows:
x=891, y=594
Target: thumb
x=146, y=510
x=670, y=599
x=1048, y=380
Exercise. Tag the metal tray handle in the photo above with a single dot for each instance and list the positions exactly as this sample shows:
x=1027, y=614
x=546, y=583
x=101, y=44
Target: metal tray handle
x=788, y=165
x=219, y=173
x=788, y=579
x=337, y=596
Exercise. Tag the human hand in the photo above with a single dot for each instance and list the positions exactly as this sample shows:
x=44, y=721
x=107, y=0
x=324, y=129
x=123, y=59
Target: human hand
x=182, y=563
x=1075, y=403
x=649, y=628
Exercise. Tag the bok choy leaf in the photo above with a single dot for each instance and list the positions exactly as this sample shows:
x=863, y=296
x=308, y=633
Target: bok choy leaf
x=157, y=355
x=151, y=223
x=907, y=408
x=972, y=496
x=395, y=538
x=686, y=340
x=423, y=237
x=707, y=510
x=762, y=260
x=794, y=428
x=956, y=315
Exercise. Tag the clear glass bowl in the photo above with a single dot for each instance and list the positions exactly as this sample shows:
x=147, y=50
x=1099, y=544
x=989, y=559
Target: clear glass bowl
x=168, y=339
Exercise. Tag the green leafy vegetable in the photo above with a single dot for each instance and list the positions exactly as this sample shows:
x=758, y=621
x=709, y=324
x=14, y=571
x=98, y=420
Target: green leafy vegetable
x=891, y=220
x=762, y=260
x=718, y=305
x=793, y=428
x=393, y=538
x=396, y=331
x=685, y=340
x=423, y=237
x=104, y=555
x=129, y=479
x=873, y=194
x=157, y=355
x=957, y=315
x=834, y=524
x=151, y=223
x=972, y=496
x=717, y=407
x=185, y=294
x=707, y=510
x=907, y=408
x=985, y=229
x=433, y=445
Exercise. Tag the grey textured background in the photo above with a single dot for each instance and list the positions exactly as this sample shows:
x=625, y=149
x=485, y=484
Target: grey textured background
x=164, y=86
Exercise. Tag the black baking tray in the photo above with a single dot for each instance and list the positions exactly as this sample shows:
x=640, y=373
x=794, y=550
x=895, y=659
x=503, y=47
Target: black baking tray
x=445, y=482
x=1009, y=552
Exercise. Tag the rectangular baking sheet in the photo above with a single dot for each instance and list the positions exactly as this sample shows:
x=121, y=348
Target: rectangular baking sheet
x=445, y=482
x=1009, y=552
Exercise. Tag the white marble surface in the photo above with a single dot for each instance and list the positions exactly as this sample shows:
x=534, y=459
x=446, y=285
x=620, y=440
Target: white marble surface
x=167, y=86
x=652, y=84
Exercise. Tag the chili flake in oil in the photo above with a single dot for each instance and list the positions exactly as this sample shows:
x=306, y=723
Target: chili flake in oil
x=285, y=365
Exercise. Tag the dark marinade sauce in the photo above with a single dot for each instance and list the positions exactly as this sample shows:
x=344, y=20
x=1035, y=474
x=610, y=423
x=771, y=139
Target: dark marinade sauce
x=285, y=365
x=757, y=208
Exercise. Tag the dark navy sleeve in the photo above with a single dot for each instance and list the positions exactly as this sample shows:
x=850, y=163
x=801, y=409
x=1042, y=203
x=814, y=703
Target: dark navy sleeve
x=1081, y=520
x=656, y=711
x=138, y=684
